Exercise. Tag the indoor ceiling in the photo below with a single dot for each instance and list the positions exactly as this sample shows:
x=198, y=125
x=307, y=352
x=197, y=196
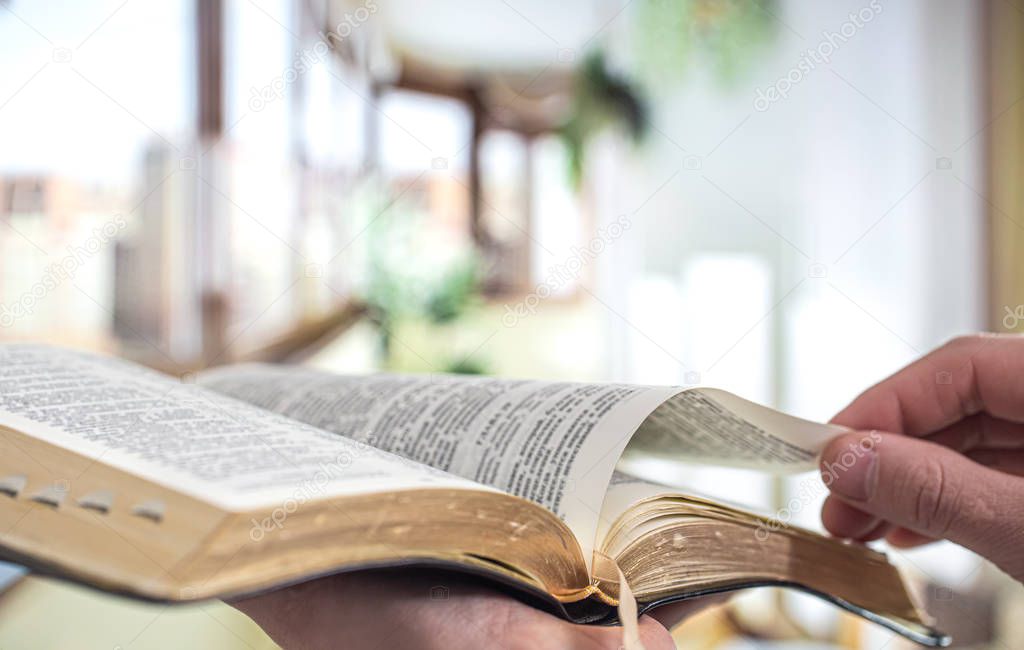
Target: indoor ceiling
x=498, y=34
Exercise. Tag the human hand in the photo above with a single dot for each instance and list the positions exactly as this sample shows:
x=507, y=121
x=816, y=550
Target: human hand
x=394, y=609
x=952, y=462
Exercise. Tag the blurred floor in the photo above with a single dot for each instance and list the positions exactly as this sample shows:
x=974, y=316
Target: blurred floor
x=44, y=613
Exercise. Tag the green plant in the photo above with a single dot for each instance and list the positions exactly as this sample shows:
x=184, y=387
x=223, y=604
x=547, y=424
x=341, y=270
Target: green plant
x=671, y=34
x=413, y=272
x=601, y=99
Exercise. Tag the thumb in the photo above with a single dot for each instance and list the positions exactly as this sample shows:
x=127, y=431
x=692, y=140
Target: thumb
x=931, y=490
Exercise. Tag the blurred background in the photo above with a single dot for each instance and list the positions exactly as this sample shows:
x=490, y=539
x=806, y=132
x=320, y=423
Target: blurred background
x=785, y=198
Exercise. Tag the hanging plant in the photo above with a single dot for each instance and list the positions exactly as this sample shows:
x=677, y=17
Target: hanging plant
x=670, y=34
x=601, y=99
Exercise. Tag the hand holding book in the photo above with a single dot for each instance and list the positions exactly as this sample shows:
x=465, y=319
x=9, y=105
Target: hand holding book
x=261, y=477
x=950, y=468
x=425, y=609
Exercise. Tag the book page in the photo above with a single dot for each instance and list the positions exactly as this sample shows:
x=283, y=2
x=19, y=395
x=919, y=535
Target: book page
x=554, y=443
x=188, y=438
x=625, y=491
x=714, y=427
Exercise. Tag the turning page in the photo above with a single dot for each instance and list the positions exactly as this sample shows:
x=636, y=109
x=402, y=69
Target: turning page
x=714, y=427
x=186, y=437
x=555, y=443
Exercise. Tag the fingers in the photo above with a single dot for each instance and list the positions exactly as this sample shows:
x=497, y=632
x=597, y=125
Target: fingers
x=843, y=520
x=1003, y=460
x=653, y=635
x=929, y=490
x=980, y=431
x=966, y=376
x=903, y=538
x=673, y=614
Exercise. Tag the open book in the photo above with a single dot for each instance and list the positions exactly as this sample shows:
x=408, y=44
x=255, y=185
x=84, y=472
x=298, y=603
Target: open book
x=252, y=477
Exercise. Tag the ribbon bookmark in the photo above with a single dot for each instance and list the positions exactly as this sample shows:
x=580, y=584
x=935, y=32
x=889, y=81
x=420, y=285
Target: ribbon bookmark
x=628, y=615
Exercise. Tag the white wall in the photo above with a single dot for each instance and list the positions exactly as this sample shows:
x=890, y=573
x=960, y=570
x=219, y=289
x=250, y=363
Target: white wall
x=838, y=179
x=843, y=173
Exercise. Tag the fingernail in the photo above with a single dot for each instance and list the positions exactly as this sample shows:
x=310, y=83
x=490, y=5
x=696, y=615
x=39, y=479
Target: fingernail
x=851, y=471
